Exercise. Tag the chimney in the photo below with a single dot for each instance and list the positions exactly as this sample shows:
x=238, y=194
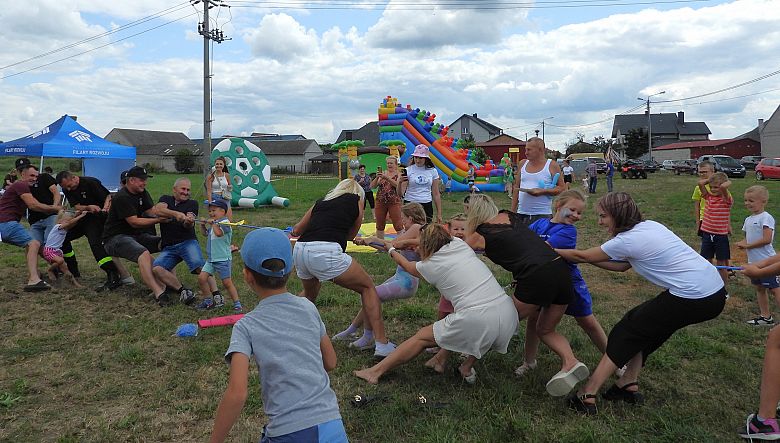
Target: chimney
x=475, y=115
x=760, y=125
x=680, y=118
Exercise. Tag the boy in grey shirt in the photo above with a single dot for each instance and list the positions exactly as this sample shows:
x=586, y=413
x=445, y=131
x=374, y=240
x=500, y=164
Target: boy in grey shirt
x=288, y=341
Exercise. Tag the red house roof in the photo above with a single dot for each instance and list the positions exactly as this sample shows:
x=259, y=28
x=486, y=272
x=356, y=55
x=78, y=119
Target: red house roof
x=695, y=144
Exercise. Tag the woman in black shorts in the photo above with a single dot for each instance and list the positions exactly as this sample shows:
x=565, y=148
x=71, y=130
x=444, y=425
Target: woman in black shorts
x=694, y=293
x=542, y=279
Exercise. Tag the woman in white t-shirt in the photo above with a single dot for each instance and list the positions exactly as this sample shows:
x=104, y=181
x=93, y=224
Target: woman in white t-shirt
x=484, y=317
x=568, y=174
x=693, y=293
x=421, y=183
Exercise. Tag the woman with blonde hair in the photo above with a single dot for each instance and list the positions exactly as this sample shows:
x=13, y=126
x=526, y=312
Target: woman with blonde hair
x=541, y=278
x=484, y=317
x=320, y=253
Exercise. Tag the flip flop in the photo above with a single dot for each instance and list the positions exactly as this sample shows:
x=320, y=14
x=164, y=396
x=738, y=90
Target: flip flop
x=37, y=287
x=361, y=401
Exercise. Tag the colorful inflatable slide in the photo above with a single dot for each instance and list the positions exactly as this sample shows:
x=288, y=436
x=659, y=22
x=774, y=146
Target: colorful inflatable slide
x=411, y=127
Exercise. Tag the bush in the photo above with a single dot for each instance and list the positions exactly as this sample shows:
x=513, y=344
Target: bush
x=74, y=165
x=184, y=160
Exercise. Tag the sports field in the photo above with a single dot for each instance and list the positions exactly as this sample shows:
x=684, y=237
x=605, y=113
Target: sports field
x=76, y=366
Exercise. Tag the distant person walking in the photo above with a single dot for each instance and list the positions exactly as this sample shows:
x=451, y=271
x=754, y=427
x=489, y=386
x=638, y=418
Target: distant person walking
x=593, y=175
x=610, y=174
x=568, y=174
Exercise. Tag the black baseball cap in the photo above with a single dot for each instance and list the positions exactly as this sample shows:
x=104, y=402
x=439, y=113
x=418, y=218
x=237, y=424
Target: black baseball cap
x=138, y=172
x=123, y=177
x=21, y=162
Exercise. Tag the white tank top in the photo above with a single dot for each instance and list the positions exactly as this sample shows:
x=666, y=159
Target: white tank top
x=218, y=184
x=528, y=204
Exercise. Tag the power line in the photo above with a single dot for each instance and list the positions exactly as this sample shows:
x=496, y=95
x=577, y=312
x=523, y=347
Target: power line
x=129, y=25
x=470, y=5
x=757, y=79
x=97, y=47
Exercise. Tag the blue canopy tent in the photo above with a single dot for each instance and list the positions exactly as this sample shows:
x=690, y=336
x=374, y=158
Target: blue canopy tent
x=65, y=138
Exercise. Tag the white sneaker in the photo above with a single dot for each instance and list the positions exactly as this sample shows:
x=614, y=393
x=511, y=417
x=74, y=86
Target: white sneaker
x=346, y=336
x=525, y=368
x=129, y=280
x=563, y=382
x=382, y=350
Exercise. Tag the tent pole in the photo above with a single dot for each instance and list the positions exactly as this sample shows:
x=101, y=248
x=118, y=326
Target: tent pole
x=41, y=168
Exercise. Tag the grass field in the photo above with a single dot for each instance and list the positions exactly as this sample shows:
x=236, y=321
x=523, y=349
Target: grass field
x=76, y=366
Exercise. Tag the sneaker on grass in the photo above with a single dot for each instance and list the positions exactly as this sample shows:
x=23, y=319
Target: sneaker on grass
x=219, y=301
x=237, y=306
x=756, y=429
x=186, y=296
x=761, y=321
x=206, y=303
x=382, y=350
x=346, y=335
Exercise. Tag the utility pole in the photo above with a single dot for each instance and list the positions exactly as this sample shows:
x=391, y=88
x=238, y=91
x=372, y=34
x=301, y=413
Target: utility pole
x=650, y=124
x=208, y=35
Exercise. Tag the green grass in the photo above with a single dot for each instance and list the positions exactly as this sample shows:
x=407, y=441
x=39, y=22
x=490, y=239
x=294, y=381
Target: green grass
x=76, y=366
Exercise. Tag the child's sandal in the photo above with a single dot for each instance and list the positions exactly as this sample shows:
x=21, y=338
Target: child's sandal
x=623, y=394
x=577, y=403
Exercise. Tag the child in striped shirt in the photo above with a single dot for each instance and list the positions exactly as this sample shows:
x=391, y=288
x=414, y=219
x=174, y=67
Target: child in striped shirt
x=715, y=225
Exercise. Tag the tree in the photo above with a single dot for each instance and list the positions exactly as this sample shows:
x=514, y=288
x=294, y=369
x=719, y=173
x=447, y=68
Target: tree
x=602, y=143
x=479, y=155
x=184, y=160
x=636, y=143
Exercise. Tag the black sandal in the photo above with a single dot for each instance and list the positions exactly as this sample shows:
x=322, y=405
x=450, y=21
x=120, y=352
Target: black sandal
x=623, y=394
x=577, y=403
x=360, y=401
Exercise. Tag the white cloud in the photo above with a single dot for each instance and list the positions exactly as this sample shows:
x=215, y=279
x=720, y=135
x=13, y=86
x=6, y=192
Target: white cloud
x=408, y=27
x=280, y=37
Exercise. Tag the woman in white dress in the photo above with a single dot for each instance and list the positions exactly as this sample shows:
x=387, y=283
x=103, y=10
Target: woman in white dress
x=484, y=317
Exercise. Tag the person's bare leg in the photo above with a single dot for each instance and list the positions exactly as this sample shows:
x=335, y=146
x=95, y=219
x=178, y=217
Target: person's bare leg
x=531, y=345
x=166, y=277
x=405, y=352
x=633, y=368
x=356, y=279
x=311, y=288
x=230, y=288
x=595, y=332
x=121, y=269
x=359, y=318
x=145, y=267
x=603, y=371
x=32, y=262
x=545, y=327
x=203, y=284
x=467, y=365
x=770, y=388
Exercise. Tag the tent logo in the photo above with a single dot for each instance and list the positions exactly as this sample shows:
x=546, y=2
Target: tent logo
x=41, y=132
x=81, y=136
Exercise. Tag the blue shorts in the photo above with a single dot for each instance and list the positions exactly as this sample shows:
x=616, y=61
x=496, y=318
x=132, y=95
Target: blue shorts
x=222, y=269
x=582, y=304
x=330, y=432
x=40, y=229
x=187, y=251
x=13, y=233
x=766, y=282
x=715, y=245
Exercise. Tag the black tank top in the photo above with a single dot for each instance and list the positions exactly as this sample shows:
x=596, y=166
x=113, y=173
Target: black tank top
x=514, y=247
x=331, y=220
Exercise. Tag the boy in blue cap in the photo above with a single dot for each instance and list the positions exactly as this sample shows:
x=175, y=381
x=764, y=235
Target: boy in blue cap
x=220, y=260
x=290, y=345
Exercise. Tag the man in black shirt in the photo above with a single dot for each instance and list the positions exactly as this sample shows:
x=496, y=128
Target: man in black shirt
x=179, y=242
x=45, y=191
x=88, y=194
x=123, y=233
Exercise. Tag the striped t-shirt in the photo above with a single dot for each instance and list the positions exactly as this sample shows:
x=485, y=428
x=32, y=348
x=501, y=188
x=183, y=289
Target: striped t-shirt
x=717, y=214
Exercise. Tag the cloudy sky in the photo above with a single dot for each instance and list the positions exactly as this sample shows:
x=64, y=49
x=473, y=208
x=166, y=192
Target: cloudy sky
x=315, y=68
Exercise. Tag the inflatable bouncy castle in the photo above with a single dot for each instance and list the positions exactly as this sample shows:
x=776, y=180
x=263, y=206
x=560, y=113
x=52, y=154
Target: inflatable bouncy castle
x=250, y=174
x=410, y=127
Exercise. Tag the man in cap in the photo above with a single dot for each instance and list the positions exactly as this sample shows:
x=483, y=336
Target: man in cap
x=88, y=194
x=131, y=212
x=13, y=204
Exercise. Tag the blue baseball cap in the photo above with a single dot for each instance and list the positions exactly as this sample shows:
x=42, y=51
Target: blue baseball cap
x=219, y=203
x=265, y=244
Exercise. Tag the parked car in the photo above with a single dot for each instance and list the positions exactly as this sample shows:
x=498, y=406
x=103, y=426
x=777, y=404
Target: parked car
x=768, y=168
x=751, y=161
x=685, y=167
x=633, y=169
x=668, y=165
x=725, y=164
x=651, y=166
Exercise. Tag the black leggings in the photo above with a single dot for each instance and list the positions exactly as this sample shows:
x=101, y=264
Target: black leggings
x=369, y=199
x=646, y=327
x=427, y=207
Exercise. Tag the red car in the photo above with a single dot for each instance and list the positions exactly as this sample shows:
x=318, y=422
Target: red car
x=768, y=168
